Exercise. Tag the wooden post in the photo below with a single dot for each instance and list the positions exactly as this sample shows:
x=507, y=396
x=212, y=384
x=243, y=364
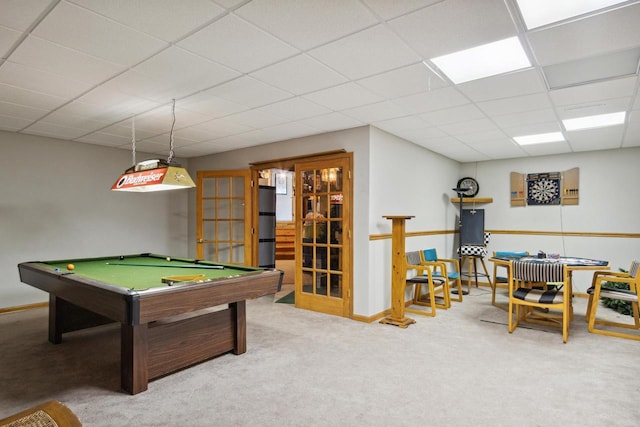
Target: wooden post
x=398, y=273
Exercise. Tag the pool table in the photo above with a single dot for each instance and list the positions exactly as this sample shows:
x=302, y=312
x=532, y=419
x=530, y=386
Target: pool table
x=166, y=325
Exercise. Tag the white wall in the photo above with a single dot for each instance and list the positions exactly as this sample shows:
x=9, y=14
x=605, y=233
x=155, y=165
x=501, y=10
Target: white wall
x=405, y=179
x=56, y=203
x=609, y=202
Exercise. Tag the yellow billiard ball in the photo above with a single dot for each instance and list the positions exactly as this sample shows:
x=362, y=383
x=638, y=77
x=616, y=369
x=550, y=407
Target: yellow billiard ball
x=70, y=266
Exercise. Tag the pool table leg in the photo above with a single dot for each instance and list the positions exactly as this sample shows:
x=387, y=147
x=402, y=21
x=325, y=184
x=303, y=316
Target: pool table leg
x=239, y=310
x=67, y=317
x=134, y=377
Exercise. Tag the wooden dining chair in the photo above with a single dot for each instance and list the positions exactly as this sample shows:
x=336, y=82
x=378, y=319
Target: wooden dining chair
x=525, y=299
x=436, y=294
x=599, y=290
x=447, y=268
x=503, y=280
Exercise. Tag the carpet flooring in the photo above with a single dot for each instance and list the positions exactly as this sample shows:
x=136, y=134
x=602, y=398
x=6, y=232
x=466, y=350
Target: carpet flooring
x=301, y=368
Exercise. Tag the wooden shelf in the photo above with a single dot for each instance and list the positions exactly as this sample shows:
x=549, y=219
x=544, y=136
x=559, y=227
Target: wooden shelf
x=472, y=200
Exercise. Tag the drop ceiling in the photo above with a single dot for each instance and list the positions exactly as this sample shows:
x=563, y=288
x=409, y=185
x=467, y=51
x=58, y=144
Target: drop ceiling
x=245, y=73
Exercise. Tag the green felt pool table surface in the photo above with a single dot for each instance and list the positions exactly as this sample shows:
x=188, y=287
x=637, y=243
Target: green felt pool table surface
x=141, y=272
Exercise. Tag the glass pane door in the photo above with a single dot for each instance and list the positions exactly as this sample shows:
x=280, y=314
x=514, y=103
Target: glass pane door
x=323, y=253
x=224, y=207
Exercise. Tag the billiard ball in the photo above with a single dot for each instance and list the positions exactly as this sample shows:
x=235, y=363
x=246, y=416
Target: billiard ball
x=121, y=257
x=57, y=269
x=70, y=266
x=168, y=258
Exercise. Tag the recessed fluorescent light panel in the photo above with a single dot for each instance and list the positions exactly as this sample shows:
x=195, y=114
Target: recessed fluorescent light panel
x=483, y=61
x=540, y=138
x=597, y=121
x=537, y=13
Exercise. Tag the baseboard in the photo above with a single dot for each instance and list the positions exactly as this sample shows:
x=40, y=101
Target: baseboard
x=24, y=307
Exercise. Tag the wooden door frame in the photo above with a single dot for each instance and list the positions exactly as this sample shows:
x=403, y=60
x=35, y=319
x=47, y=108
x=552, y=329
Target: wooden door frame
x=289, y=163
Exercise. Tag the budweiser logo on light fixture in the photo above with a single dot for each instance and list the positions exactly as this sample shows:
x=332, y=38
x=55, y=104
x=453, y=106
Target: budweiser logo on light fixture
x=154, y=175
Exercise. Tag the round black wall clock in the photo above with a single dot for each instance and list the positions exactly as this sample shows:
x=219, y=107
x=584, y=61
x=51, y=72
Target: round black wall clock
x=471, y=184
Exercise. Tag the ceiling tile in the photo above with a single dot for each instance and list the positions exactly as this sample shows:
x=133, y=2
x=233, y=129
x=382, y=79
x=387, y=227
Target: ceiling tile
x=295, y=109
x=596, y=139
x=504, y=86
x=11, y=123
x=19, y=15
x=594, y=92
x=483, y=137
x=454, y=25
x=309, y=23
x=44, y=55
x=403, y=81
x=401, y=124
x=124, y=130
x=345, y=96
x=422, y=134
x=301, y=74
x=516, y=104
x=503, y=148
x=602, y=33
x=390, y=9
x=29, y=98
x=63, y=118
x=7, y=38
x=525, y=118
x=22, y=111
x=80, y=29
x=109, y=140
x=593, y=108
x=115, y=101
x=256, y=119
x=249, y=92
x=592, y=69
x=55, y=130
x=238, y=45
x=206, y=103
x=469, y=127
x=40, y=81
x=165, y=19
x=200, y=149
x=184, y=71
x=453, y=148
x=532, y=129
x=431, y=101
x=213, y=129
x=547, y=149
x=332, y=121
x=375, y=112
x=452, y=115
x=353, y=57
x=287, y=131
x=632, y=134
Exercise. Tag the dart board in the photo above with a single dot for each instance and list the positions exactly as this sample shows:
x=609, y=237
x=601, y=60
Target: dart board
x=543, y=188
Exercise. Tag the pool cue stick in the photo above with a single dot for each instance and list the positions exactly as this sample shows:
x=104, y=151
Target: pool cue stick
x=206, y=267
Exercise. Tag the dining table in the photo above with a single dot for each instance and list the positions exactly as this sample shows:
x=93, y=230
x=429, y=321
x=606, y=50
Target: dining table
x=546, y=265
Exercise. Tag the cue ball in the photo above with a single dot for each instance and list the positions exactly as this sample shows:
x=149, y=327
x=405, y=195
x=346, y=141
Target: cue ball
x=70, y=267
x=168, y=258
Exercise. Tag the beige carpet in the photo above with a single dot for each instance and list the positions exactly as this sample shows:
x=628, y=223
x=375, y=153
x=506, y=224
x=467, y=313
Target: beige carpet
x=302, y=368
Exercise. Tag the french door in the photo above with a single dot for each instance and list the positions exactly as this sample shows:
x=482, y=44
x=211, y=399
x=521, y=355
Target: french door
x=323, y=235
x=224, y=216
